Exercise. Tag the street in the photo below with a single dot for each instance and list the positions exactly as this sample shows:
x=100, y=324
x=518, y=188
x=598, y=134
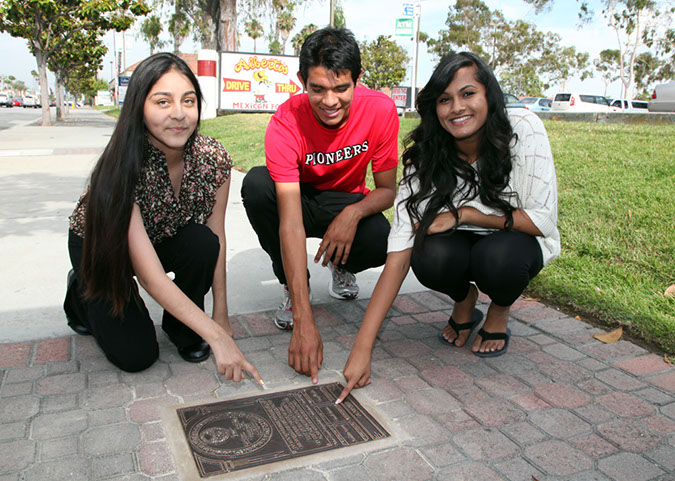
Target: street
x=18, y=116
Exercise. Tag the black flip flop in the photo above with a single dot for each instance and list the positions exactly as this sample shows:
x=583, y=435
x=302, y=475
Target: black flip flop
x=476, y=317
x=494, y=336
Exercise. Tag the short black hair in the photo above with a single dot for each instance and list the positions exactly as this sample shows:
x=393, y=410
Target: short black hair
x=332, y=48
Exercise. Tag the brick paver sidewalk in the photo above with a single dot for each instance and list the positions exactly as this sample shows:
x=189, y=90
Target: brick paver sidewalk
x=559, y=406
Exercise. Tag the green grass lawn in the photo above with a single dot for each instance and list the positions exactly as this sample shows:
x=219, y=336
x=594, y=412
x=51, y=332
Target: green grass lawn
x=616, y=188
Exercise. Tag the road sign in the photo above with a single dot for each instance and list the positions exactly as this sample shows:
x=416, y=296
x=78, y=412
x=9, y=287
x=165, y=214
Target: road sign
x=404, y=27
x=408, y=10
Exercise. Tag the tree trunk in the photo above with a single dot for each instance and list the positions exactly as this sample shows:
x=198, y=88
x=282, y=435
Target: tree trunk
x=210, y=17
x=41, y=60
x=60, y=98
x=227, y=26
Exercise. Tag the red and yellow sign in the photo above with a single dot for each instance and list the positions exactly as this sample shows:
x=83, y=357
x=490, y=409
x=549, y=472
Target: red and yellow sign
x=257, y=82
x=235, y=85
x=290, y=88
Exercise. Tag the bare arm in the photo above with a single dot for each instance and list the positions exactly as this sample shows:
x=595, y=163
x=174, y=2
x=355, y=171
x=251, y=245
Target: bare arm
x=472, y=216
x=305, y=351
x=357, y=369
x=150, y=273
x=216, y=222
x=340, y=233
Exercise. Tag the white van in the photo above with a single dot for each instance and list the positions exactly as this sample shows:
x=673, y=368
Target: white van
x=634, y=106
x=579, y=102
x=30, y=101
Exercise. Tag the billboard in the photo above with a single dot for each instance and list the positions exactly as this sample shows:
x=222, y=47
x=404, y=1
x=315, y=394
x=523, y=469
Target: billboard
x=123, y=83
x=254, y=82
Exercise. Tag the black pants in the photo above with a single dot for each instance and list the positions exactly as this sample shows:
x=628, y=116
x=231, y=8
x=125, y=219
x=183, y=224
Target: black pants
x=319, y=208
x=501, y=264
x=130, y=341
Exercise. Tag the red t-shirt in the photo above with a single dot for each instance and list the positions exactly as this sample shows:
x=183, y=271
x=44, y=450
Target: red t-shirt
x=299, y=149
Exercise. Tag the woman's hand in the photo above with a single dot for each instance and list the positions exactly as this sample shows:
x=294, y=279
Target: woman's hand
x=230, y=362
x=442, y=223
x=356, y=371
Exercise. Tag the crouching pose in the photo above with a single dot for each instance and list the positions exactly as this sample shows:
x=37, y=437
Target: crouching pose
x=318, y=147
x=476, y=209
x=156, y=203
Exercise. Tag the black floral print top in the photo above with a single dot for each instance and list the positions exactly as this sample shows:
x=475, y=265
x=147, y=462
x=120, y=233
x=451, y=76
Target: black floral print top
x=207, y=167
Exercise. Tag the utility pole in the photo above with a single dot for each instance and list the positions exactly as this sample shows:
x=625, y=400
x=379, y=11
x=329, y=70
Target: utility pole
x=332, y=13
x=416, y=39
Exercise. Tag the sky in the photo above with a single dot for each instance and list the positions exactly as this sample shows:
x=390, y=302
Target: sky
x=368, y=19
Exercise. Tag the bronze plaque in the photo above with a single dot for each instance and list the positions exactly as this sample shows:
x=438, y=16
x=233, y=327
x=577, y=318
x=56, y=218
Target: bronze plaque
x=238, y=434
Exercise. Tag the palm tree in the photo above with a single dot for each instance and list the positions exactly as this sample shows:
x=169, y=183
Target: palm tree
x=254, y=29
x=299, y=38
x=286, y=22
x=151, y=28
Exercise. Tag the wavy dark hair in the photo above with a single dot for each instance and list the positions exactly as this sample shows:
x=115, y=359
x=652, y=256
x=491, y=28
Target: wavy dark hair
x=106, y=266
x=431, y=156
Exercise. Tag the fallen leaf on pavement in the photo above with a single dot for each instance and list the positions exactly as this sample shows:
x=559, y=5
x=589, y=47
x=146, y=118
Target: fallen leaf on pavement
x=665, y=358
x=670, y=292
x=578, y=318
x=610, y=337
x=534, y=479
x=532, y=299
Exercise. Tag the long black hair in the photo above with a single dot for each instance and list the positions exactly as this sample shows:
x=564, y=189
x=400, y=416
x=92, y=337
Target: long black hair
x=106, y=266
x=431, y=157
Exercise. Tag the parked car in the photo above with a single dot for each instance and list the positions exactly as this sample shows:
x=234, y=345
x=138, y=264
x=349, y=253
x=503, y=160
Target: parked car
x=30, y=101
x=579, y=102
x=535, y=104
x=623, y=105
x=663, y=98
x=5, y=101
x=16, y=102
x=511, y=100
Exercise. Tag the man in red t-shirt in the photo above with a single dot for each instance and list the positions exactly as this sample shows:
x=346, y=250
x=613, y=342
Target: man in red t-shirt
x=318, y=147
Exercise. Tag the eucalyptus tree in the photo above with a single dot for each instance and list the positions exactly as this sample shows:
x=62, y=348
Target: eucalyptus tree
x=637, y=24
x=526, y=60
x=608, y=66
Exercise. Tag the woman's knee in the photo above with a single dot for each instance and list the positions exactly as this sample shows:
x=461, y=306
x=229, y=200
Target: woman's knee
x=438, y=259
x=134, y=361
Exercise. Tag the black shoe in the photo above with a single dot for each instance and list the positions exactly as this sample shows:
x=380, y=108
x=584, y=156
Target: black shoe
x=75, y=324
x=196, y=353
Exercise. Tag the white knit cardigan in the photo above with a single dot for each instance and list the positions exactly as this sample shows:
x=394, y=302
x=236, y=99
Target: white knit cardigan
x=532, y=178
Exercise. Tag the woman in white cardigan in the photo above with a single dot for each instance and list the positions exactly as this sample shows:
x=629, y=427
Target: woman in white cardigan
x=477, y=208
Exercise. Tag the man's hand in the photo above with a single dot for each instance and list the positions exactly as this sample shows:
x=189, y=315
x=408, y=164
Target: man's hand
x=356, y=371
x=338, y=238
x=305, y=352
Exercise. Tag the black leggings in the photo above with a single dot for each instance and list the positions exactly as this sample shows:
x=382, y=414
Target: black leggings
x=130, y=341
x=319, y=209
x=501, y=264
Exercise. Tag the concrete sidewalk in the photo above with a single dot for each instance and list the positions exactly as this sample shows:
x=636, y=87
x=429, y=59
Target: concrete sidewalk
x=559, y=405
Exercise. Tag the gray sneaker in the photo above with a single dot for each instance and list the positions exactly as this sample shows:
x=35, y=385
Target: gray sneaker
x=342, y=284
x=284, y=315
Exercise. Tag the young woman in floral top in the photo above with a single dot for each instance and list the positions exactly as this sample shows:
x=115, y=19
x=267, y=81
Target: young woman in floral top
x=156, y=203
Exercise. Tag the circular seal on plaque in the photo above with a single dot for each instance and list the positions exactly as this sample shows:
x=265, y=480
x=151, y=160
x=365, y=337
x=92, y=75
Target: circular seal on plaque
x=230, y=433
